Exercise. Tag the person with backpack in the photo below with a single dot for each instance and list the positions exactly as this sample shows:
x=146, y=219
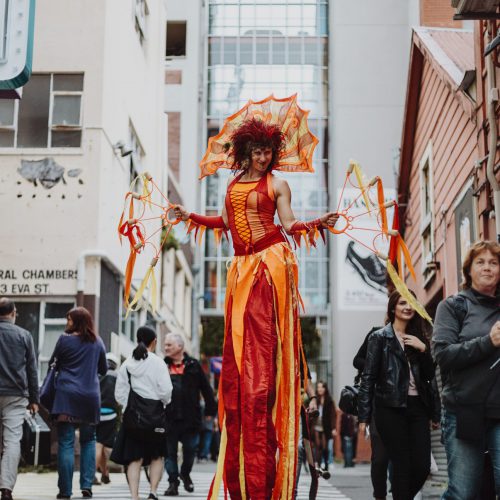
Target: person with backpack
x=107, y=426
x=466, y=341
x=397, y=380
x=379, y=463
x=143, y=389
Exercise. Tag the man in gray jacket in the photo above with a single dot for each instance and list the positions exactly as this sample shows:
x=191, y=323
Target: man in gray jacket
x=18, y=391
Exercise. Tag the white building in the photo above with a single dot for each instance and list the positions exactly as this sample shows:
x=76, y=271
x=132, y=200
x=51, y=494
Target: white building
x=97, y=84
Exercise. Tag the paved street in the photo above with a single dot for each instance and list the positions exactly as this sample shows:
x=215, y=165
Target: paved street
x=347, y=484
x=32, y=486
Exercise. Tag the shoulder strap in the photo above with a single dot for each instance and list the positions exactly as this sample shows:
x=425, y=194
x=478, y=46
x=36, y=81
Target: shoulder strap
x=459, y=303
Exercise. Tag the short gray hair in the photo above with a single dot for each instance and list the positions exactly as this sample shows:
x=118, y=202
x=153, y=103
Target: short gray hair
x=177, y=338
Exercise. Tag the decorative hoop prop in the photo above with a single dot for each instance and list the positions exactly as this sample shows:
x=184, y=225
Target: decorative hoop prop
x=140, y=229
x=377, y=207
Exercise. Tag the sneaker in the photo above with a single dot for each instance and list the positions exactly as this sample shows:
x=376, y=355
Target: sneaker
x=369, y=268
x=61, y=496
x=152, y=496
x=86, y=493
x=188, y=484
x=172, y=490
x=96, y=482
x=6, y=494
x=105, y=479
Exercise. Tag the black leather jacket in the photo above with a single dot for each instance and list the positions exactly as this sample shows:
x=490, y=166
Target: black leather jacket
x=386, y=376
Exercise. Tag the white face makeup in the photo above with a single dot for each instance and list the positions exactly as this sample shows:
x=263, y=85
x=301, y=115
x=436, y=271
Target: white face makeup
x=261, y=158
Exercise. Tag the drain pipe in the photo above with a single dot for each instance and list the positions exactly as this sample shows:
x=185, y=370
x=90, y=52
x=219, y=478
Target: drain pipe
x=80, y=281
x=493, y=97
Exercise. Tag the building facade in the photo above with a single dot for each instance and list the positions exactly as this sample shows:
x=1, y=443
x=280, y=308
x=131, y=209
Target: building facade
x=90, y=119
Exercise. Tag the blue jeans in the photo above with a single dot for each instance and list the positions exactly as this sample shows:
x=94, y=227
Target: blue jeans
x=66, y=456
x=206, y=442
x=466, y=459
x=189, y=442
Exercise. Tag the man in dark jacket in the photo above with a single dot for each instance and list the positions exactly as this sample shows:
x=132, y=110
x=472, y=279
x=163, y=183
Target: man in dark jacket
x=184, y=412
x=18, y=391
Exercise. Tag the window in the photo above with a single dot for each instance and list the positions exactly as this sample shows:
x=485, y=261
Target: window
x=48, y=115
x=137, y=156
x=427, y=205
x=176, y=39
x=140, y=15
x=46, y=322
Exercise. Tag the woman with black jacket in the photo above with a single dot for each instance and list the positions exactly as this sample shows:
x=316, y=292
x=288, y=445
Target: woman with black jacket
x=398, y=379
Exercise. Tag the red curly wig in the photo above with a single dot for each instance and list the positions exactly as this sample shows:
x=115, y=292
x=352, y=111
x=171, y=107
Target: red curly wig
x=251, y=134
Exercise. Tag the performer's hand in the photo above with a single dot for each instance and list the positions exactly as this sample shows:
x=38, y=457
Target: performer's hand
x=362, y=428
x=329, y=219
x=181, y=213
x=334, y=432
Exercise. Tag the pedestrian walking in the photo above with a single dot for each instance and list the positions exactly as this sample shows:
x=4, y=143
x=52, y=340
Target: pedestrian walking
x=466, y=345
x=347, y=435
x=184, y=420
x=18, y=391
x=142, y=380
x=260, y=393
x=379, y=462
x=325, y=426
x=108, y=424
x=79, y=356
x=397, y=378
x=208, y=424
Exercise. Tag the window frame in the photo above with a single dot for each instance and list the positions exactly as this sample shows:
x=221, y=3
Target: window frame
x=427, y=222
x=50, y=126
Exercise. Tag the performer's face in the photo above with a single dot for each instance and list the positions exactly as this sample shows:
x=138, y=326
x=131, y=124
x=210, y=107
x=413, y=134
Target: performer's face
x=261, y=158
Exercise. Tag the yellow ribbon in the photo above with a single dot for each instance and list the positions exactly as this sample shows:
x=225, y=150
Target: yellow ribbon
x=405, y=293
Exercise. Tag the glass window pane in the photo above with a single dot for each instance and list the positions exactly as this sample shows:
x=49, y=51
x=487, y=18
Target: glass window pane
x=66, y=110
x=57, y=310
x=7, y=107
x=66, y=139
x=52, y=333
x=7, y=138
x=28, y=317
x=68, y=82
x=34, y=113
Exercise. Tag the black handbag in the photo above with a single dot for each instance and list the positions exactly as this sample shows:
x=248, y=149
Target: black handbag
x=143, y=414
x=348, y=401
x=48, y=389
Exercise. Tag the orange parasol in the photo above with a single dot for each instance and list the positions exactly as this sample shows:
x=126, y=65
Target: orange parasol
x=300, y=142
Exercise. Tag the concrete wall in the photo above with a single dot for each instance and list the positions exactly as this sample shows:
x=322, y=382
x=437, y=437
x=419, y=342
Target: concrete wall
x=49, y=228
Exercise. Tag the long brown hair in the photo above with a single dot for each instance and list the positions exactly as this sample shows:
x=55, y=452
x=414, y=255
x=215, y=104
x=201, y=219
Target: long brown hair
x=474, y=250
x=83, y=324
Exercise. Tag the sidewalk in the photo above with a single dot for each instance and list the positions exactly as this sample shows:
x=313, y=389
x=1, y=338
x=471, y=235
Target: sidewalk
x=356, y=484
x=33, y=486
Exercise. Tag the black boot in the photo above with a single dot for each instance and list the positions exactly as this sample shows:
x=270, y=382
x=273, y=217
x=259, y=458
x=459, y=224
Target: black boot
x=173, y=489
x=188, y=484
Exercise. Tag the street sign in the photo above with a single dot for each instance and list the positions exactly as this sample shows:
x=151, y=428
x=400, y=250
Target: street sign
x=17, y=21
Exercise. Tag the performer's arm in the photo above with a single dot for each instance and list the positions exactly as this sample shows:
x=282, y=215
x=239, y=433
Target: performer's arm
x=210, y=221
x=285, y=213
